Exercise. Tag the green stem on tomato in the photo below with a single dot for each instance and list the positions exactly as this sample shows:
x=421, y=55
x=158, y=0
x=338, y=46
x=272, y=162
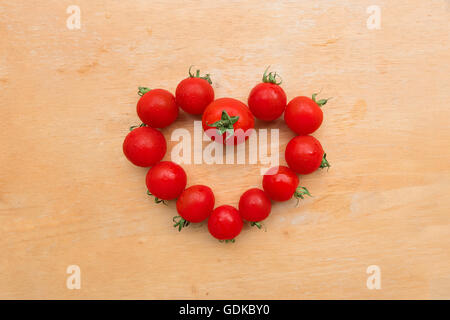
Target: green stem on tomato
x=134, y=127
x=157, y=200
x=325, y=163
x=256, y=224
x=197, y=75
x=143, y=90
x=225, y=124
x=271, y=77
x=300, y=192
x=321, y=102
x=228, y=241
x=180, y=223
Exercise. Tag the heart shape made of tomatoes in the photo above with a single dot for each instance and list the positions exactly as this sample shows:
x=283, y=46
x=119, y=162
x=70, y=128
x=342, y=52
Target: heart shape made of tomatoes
x=227, y=121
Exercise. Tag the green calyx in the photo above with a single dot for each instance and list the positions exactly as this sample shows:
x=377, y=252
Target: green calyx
x=197, y=75
x=157, y=200
x=271, y=77
x=320, y=102
x=325, y=163
x=256, y=224
x=228, y=241
x=134, y=127
x=300, y=193
x=180, y=223
x=143, y=90
x=225, y=124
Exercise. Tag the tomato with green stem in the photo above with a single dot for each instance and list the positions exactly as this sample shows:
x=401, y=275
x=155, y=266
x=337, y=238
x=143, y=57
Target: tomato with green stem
x=194, y=93
x=156, y=107
x=228, y=121
x=166, y=180
x=267, y=100
x=144, y=146
x=304, y=115
x=304, y=155
x=194, y=205
x=281, y=184
x=254, y=206
x=225, y=223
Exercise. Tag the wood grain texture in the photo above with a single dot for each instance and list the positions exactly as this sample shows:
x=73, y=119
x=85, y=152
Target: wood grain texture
x=68, y=195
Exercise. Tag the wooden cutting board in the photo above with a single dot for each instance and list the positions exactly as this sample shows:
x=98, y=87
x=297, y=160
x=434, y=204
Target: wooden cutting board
x=69, y=197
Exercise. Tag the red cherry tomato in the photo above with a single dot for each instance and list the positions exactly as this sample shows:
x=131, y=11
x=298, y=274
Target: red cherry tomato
x=166, y=180
x=230, y=118
x=304, y=154
x=195, y=93
x=157, y=108
x=304, y=115
x=196, y=203
x=254, y=205
x=280, y=183
x=267, y=100
x=225, y=223
x=144, y=146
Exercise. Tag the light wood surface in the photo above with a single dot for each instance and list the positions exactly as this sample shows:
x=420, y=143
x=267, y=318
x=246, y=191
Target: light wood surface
x=68, y=196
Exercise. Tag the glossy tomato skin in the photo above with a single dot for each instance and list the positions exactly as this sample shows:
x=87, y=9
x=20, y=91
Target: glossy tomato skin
x=303, y=115
x=254, y=205
x=193, y=95
x=157, y=108
x=225, y=223
x=144, y=146
x=196, y=203
x=304, y=154
x=267, y=101
x=280, y=183
x=243, y=127
x=166, y=180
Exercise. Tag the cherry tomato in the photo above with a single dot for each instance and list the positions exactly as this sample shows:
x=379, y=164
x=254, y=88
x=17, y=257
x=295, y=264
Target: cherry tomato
x=225, y=223
x=304, y=115
x=144, y=146
x=267, y=100
x=156, y=108
x=195, y=93
x=304, y=154
x=166, y=180
x=254, y=205
x=230, y=118
x=281, y=183
x=196, y=203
